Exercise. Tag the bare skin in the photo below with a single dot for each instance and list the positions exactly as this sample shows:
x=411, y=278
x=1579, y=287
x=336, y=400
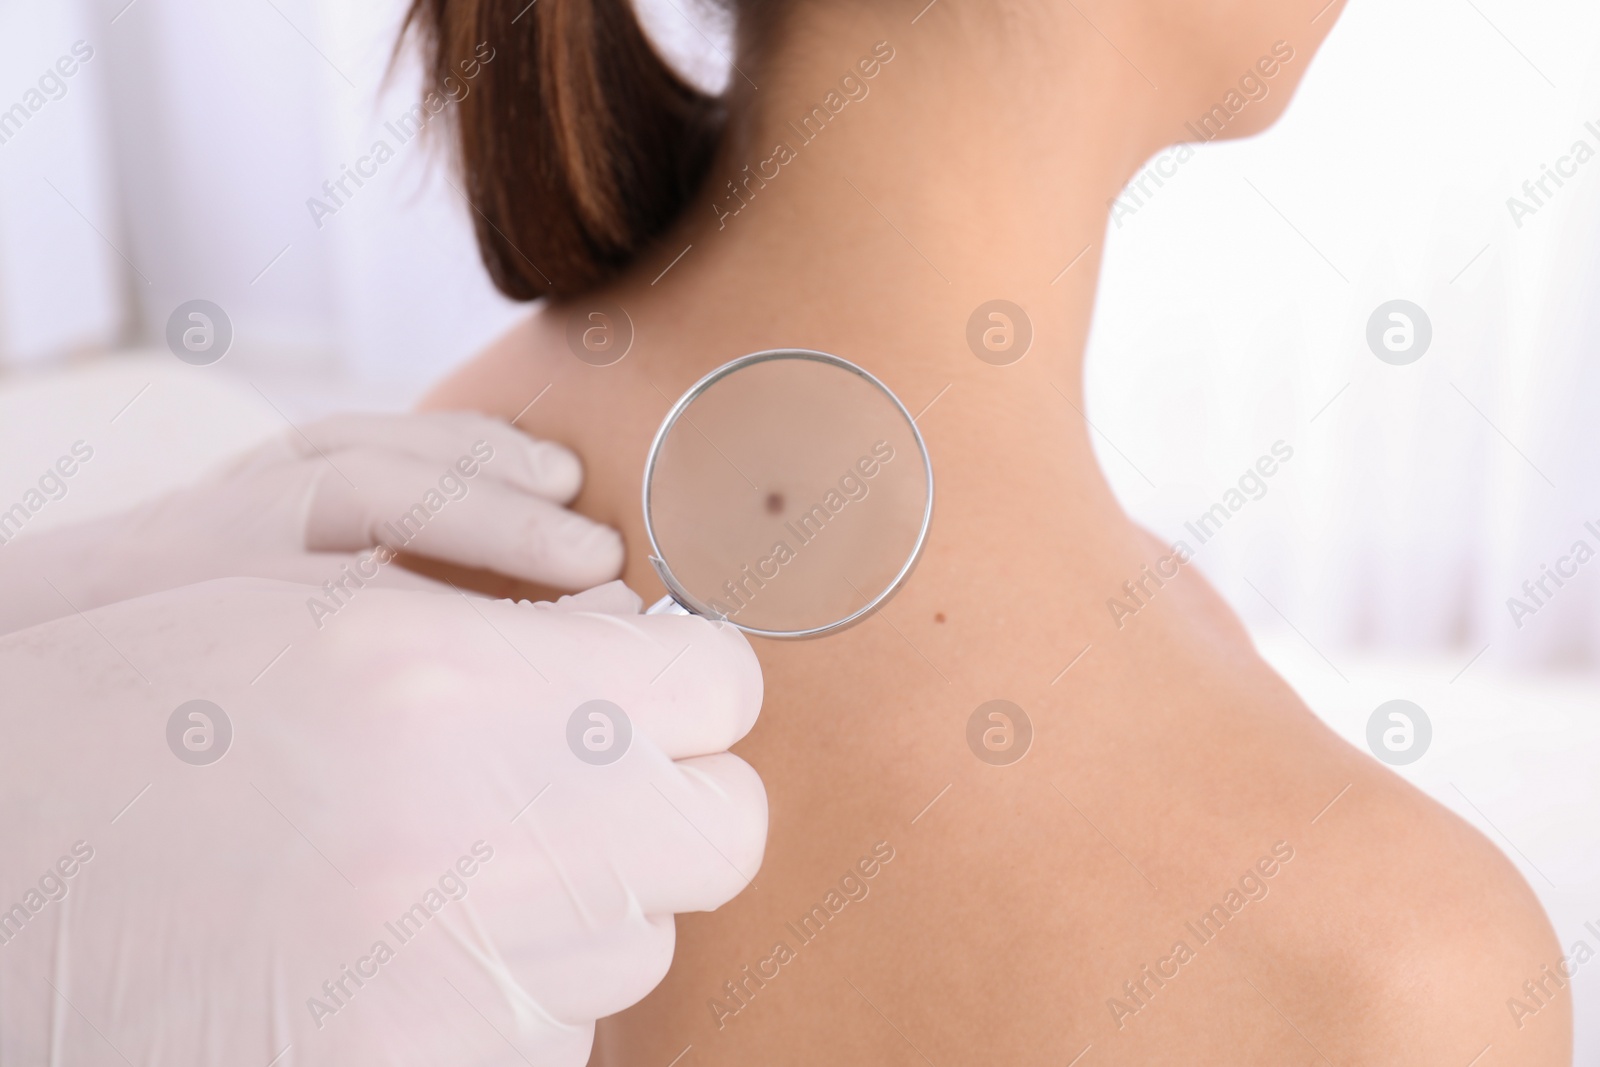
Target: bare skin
x=1168, y=762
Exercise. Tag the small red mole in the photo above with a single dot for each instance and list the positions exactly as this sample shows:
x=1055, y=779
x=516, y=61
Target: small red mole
x=938, y=616
x=774, y=503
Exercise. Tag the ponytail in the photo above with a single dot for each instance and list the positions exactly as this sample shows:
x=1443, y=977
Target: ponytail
x=577, y=143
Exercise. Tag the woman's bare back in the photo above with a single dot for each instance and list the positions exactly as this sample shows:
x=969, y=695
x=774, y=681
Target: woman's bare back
x=1185, y=866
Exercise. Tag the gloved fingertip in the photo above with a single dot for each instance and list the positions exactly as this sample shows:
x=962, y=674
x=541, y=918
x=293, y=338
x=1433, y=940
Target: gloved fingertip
x=743, y=687
x=555, y=469
x=597, y=554
x=569, y=551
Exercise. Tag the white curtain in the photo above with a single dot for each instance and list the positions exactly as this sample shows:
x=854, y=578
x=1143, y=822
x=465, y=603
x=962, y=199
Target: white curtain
x=1234, y=314
x=192, y=143
x=60, y=283
x=179, y=161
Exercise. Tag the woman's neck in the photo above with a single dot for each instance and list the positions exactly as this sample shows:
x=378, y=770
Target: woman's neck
x=926, y=196
x=884, y=173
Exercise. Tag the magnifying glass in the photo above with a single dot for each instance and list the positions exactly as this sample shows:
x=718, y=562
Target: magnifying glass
x=788, y=492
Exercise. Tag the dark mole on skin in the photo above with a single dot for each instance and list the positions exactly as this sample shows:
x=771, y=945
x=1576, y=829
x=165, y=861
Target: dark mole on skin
x=774, y=503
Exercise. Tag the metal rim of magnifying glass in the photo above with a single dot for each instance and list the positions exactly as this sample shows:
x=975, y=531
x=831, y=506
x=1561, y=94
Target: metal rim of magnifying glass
x=675, y=589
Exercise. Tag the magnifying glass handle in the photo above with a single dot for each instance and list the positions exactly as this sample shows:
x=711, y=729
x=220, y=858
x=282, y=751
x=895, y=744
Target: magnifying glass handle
x=667, y=606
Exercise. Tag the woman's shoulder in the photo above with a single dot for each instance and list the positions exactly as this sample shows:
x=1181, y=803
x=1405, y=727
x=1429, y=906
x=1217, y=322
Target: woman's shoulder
x=1394, y=932
x=492, y=380
x=1401, y=930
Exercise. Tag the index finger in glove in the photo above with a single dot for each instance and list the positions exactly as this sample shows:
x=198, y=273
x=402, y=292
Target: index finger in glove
x=402, y=502
x=451, y=438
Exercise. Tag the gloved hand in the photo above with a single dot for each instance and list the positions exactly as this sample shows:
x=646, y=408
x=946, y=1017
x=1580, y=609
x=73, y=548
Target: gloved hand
x=412, y=849
x=453, y=486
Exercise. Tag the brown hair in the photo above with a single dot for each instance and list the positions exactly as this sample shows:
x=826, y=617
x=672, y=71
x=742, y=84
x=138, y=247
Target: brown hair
x=577, y=143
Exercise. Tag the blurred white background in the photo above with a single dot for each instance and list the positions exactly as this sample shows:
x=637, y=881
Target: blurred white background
x=178, y=161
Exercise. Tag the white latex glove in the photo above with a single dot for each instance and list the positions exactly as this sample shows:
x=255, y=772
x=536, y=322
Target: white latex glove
x=453, y=486
x=411, y=758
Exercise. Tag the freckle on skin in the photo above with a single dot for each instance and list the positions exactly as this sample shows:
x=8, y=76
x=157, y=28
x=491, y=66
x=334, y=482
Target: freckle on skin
x=774, y=503
x=938, y=616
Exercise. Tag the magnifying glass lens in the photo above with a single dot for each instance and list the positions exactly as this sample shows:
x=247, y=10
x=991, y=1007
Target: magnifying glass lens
x=789, y=494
